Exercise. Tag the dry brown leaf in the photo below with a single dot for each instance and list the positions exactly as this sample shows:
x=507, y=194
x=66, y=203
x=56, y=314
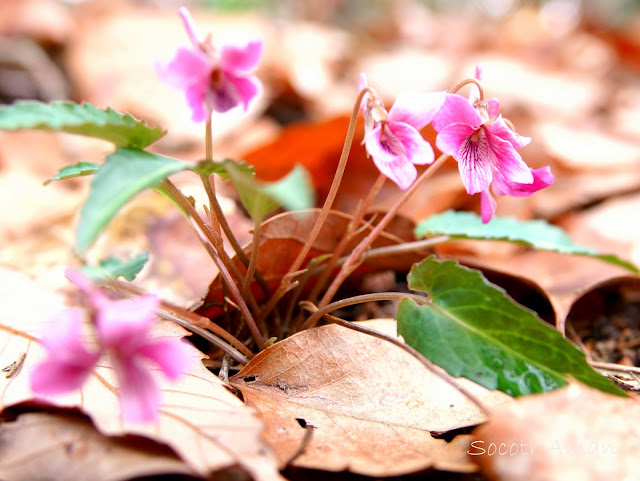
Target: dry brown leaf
x=67, y=446
x=571, y=433
x=283, y=236
x=200, y=419
x=372, y=405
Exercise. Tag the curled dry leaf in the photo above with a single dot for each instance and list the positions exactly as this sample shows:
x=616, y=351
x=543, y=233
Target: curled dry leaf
x=283, y=236
x=571, y=433
x=373, y=407
x=67, y=446
x=206, y=425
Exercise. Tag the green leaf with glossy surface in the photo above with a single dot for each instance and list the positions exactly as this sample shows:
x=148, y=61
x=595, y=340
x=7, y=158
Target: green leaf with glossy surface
x=76, y=170
x=293, y=192
x=533, y=233
x=113, y=268
x=125, y=173
x=82, y=119
x=473, y=329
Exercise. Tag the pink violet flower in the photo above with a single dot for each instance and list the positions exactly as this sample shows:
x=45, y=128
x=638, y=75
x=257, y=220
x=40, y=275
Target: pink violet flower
x=69, y=362
x=213, y=79
x=123, y=331
x=474, y=133
x=393, y=138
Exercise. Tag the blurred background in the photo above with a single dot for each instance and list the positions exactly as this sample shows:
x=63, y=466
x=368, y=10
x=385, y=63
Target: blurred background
x=566, y=73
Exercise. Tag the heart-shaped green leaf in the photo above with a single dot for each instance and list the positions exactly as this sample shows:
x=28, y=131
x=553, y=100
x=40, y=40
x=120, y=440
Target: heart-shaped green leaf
x=112, y=268
x=473, y=329
x=533, y=233
x=82, y=119
x=125, y=173
x=293, y=192
x=76, y=170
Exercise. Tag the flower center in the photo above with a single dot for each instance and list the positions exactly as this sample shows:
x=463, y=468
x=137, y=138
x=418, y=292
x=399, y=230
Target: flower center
x=216, y=78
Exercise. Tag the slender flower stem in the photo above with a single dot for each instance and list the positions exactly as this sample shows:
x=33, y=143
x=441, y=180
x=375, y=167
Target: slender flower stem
x=318, y=312
x=218, y=214
x=205, y=235
x=346, y=238
x=467, y=82
x=285, y=283
x=356, y=255
x=392, y=250
x=253, y=262
x=396, y=342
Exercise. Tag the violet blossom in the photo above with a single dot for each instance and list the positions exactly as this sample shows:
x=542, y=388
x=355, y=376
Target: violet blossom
x=474, y=133
x=393, y=138
x=213, y=78
x=123, y=331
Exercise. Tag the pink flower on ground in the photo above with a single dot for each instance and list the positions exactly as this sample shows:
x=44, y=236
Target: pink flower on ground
x=69, y=362
x=474, y=133
x=213, y=79
x=123, y=331
x=393, y=139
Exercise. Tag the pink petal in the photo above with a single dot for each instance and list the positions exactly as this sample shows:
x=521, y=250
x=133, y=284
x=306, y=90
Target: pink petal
x=390, y=158
x=69, y=363
x=487, y=206
x=124, y=325
x=196, y=98
x=241, y=60
x=223, y=96
x=140, y=396
x=247, y=88
x=190, y=26
x=63, y=338
x=499, y=128
x=507, y=161
x=474, y=94
x=493, y=108
x=451, y=138
x=541, y=178
x=52, y=378
x=416, y=108
x=456, y=110
x=362, y=84
x=471, y=149
x=173, y=356
x=416, y=149
x=189, y=66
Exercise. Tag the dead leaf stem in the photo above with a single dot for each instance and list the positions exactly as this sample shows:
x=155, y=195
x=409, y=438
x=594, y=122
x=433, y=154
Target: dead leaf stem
x=324, y=312
x=192, y=322
x=355, y=257
x=218, y=214
x=205, y=235
x=285, y=283
x=347, y=237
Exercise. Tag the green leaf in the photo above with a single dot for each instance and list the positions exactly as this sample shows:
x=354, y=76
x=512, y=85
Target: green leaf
x=82, y=119
x=112, y=268
x=473, y=329
x=206, y=167
x=533, y=233
x=125, y=173
x=294, y=192
x=76, y=170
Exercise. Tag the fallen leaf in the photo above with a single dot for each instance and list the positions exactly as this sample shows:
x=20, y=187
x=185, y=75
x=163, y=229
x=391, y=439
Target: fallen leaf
x=207, y=426
x=571, y=433
x=373, y=407
x=67, y=446
x=283, y=236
